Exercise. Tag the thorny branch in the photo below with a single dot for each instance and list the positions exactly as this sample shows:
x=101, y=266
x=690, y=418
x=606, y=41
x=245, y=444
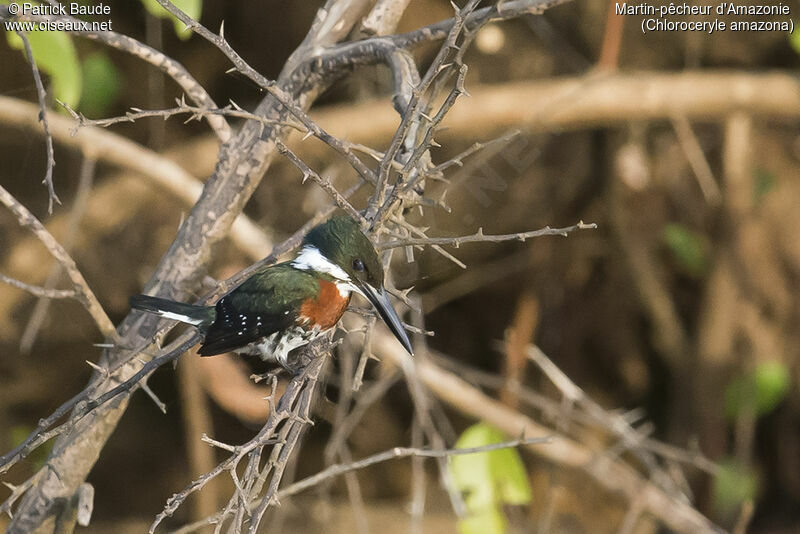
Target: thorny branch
x=339, y=469
x=182, y=108
x=42, y=96
x=480, y=237
x=398, y=180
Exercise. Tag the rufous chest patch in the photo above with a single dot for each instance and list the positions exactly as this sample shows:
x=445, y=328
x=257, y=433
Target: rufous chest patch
x=325, y=310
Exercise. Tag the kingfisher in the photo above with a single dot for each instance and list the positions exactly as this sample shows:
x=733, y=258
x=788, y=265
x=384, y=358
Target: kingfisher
x=284, y=306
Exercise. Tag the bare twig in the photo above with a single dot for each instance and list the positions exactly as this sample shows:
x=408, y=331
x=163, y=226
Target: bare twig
x=613, y=475
x=85, y=294
x=291, y=414
x=479, y=236
x=392, y=454
x=402, y=452
x=42, y=96
x=366, y=353
x=588, y=101
x=242, y=163
x=42, y=292
x=325, y=184
x=158, y=59
x=84, y=404
x=112, y=148
x=182, y=108
x=79, y=206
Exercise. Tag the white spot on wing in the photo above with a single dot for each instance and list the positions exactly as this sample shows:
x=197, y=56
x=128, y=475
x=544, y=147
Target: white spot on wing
x=179, y=317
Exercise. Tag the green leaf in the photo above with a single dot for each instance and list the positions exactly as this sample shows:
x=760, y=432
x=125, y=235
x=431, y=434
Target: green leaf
x=103, y=83
x=488, y=480
x=772, y=382
x=764, y=183
x=688, y=248
x=759, y=391
x=794, y=40
x=193, y=8
x=55, y=55
x=734, y=484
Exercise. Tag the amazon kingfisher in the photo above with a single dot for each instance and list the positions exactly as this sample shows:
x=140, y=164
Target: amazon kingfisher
x=284, y=306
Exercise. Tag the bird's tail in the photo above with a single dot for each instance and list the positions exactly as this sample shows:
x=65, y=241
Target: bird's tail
x=179, y=311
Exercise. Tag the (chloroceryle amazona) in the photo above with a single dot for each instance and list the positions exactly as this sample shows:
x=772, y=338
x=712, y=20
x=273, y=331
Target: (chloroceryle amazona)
x=284, y=306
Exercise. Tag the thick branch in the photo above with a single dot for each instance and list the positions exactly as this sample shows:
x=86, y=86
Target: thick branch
x=241, y=165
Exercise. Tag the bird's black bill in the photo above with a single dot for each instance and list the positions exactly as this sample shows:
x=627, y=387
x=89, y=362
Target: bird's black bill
x=380, y=300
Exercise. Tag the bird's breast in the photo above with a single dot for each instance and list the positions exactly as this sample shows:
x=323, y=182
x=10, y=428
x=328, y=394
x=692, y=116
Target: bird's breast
x=325, y=310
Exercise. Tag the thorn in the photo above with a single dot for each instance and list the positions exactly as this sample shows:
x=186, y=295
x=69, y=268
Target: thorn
x=308, y=134
x=222, y=29
x=443, y=67
x=161, y=406
x=97, y=368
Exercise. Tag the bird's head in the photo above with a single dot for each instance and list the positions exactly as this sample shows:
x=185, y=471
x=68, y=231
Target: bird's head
x=340, y=249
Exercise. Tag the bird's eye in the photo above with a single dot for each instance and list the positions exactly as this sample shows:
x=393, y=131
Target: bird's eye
x=358, y=265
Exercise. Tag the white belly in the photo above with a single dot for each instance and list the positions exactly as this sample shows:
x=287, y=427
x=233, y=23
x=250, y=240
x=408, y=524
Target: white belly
x=277, y=347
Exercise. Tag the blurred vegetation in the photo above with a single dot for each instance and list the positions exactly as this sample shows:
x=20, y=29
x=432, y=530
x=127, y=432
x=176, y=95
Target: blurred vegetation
x=727, y=273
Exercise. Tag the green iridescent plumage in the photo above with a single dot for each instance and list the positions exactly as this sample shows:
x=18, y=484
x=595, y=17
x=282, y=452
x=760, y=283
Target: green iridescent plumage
x=282, y=307
x=265, y=303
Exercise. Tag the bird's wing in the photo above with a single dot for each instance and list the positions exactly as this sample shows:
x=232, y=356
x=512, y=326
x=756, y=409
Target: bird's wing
x=265, y=303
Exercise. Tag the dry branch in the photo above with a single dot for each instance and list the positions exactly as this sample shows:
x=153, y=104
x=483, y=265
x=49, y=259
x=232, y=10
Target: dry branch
x=242, y=162
x=612, y=474
x=385, y=456
x=81, y=287
x=588, y=101
x=158, y=59
x=112, y=148
x=480, y=237
x=42, y=292
x=42, y=96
